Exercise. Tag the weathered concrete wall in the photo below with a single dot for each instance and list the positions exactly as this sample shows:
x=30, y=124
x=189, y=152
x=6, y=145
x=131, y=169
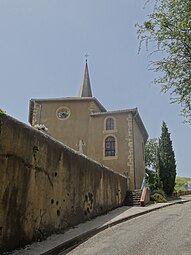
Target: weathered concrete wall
x=47, y=187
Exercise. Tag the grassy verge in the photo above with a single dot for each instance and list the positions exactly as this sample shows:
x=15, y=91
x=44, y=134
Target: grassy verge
x=180, y=182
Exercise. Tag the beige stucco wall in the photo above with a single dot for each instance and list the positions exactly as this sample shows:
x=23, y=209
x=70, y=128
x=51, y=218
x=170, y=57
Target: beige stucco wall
x=131, y=150
x=73, y=129
x=139, y=155
x=48, y=187
x=97, y=136
x=83, y=125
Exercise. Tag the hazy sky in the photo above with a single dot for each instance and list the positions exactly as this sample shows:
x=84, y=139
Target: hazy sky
x=42, y=48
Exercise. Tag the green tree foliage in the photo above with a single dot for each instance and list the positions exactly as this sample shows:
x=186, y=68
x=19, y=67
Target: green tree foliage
x=168, y=31
x=151, y=164
x=151, y=148
x=153, y=180
x=166, y=161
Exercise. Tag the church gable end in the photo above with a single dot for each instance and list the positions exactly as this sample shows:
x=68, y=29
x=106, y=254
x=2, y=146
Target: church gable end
x=113, y=138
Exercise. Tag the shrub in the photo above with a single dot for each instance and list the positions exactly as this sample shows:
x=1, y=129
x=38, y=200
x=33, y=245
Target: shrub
x=158, y=196
x=159, y=191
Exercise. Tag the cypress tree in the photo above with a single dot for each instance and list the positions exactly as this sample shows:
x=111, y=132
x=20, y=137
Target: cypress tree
x=166, y=161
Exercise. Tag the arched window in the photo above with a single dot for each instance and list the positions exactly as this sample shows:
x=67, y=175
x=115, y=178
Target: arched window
x=109, y=146
x=109, y=124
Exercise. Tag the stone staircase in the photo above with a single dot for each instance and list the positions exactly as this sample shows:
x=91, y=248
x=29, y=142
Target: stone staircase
x=133, y=197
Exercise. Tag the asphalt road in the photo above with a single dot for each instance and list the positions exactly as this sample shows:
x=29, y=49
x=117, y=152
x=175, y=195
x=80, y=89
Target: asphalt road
x=163, y=232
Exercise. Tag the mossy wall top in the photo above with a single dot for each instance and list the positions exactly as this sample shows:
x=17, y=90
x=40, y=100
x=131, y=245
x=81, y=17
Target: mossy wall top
x=47, y=187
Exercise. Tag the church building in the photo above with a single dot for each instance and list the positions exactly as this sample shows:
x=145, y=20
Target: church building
x=114, y=138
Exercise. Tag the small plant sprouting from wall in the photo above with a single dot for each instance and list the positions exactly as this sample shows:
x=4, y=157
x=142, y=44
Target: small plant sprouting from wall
x=2, y=112
x=1, y=122
x=35, y=152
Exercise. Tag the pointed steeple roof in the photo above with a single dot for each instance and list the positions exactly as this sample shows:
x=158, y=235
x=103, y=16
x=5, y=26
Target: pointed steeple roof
x=85, y=88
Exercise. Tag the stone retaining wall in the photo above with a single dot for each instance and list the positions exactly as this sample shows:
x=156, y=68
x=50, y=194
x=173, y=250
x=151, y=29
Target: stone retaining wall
x=47, y=187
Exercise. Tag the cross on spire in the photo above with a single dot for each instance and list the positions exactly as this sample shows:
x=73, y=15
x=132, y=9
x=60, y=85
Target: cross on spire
x=86, y=56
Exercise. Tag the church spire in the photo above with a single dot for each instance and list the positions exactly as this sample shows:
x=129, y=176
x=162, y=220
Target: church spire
x=85, y=88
